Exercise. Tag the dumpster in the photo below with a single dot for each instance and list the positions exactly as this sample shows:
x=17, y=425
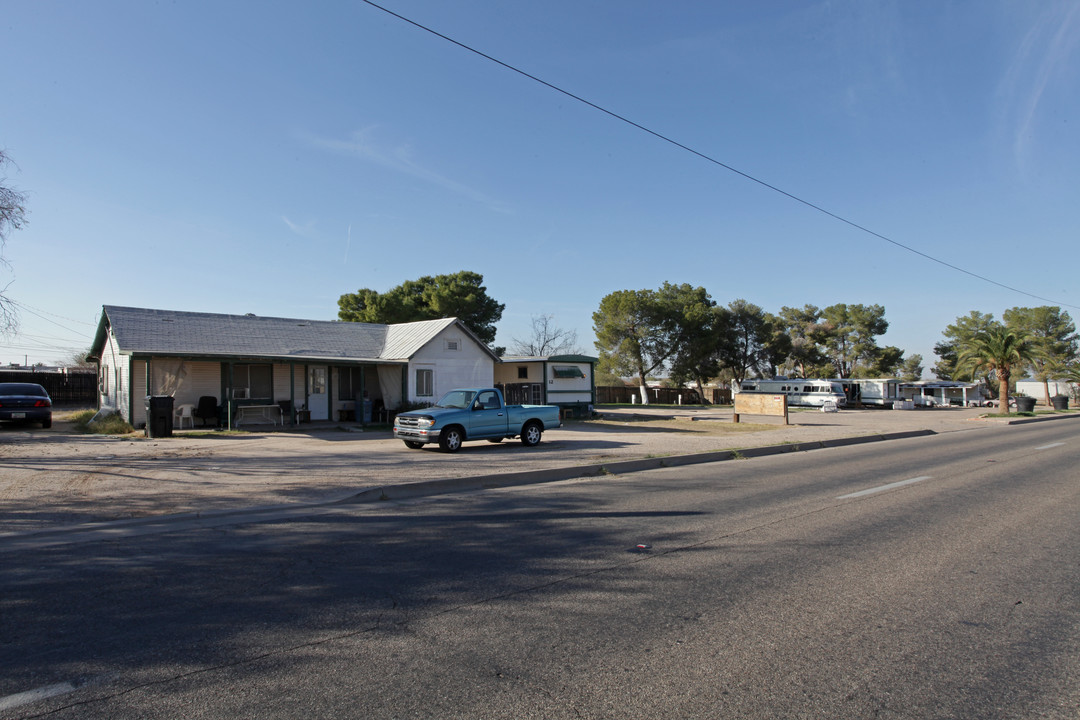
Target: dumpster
x=159, y=416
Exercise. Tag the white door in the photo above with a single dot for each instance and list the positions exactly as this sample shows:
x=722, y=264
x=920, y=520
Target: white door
x=317, y=400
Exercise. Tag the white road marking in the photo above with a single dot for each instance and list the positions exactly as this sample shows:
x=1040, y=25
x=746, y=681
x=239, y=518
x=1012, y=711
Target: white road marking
x=882, y=488
x=1047, y=447
x=25, y=698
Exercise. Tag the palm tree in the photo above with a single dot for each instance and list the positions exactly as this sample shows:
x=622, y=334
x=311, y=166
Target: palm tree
x=999, y=350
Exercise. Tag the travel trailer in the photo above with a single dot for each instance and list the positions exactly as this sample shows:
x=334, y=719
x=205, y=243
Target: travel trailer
x=811, y=393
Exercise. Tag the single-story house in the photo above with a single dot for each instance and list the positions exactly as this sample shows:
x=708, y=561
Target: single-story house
x=568, y=381
x=311, y=369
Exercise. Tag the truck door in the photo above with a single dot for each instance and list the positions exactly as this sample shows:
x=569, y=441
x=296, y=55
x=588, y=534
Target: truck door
x=488, y=417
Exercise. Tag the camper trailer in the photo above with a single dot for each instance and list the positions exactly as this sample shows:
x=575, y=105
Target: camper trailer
x=809, y=393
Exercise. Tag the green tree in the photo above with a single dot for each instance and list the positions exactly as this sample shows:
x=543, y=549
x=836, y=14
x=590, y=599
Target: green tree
x=700, y=330
x=635, y=335
x=808, y=336
x=756, y=342
x=12, y=217
x=461, y=295
x=883, y=362
x=1053, y=337
x=1000, y=351
x=959, y=333
x=912, y=368
x=852, y=330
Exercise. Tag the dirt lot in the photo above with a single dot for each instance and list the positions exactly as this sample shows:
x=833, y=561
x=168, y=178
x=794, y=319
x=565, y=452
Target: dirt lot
x=55, y=477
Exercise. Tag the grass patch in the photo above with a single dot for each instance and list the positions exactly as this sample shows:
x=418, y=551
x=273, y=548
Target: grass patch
x=113, y=424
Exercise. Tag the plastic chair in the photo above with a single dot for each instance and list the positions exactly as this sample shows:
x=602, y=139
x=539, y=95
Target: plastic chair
x=182, y=412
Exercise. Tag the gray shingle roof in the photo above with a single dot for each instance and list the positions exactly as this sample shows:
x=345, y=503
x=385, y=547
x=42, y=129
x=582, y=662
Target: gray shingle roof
x=169, y=332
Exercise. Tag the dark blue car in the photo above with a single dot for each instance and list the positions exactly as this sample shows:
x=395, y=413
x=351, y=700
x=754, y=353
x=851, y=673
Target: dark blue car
x=25, y=403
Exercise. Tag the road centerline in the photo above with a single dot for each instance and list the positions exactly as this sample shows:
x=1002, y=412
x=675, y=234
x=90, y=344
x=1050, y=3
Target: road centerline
x=883, y=488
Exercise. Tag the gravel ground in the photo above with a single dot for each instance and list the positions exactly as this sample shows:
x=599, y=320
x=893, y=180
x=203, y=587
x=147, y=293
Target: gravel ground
x=57, y=477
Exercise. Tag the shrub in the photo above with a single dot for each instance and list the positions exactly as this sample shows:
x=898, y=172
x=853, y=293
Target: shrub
x=110, y=424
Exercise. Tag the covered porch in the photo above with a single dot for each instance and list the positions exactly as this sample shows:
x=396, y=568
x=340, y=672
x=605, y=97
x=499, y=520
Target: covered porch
x=241, y=392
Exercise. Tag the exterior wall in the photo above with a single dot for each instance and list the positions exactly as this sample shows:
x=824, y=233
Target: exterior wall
x=468, y=366
x=1035, y=389
x=566, y=391
x=113, y=378
x=507, y=372
x=284, y=384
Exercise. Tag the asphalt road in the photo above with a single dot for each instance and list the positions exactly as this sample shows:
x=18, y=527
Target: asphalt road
x=929, y=577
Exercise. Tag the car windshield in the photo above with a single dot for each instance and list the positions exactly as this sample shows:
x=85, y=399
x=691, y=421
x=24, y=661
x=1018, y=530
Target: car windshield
x=22, y=389
x=456, y=399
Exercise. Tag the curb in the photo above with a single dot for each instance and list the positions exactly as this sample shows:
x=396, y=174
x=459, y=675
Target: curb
x=1044, y=418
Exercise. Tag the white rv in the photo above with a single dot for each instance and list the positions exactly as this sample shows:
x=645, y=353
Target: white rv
x=811, y=393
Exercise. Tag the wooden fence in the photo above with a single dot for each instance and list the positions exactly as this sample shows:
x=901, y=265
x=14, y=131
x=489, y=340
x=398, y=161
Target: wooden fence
x=65, y=388
x=616, y=395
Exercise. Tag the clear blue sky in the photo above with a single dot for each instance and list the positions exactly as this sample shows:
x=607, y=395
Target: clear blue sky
x=268, y=157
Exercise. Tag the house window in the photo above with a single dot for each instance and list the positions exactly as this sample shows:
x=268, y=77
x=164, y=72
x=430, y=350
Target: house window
x=348, y=383
x=425, y=382
x=253, y=382
x=567, y=372
x=103, y=380
x=523, y=372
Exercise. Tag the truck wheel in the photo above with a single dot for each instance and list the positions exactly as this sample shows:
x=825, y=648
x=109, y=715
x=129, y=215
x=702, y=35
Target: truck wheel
x=413, y=445
x=530, y=434
x=450, y=440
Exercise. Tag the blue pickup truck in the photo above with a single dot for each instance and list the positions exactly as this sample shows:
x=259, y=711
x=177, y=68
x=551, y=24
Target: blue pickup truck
x=474, y=414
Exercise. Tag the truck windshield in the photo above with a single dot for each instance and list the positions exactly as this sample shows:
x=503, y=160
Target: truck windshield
x=456, y=399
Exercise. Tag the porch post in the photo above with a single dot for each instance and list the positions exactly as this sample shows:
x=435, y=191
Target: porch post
x=292, y=393
x=363, y=393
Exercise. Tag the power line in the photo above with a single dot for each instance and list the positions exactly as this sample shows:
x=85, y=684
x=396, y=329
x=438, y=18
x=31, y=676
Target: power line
x=31, y=310
x=713, y=160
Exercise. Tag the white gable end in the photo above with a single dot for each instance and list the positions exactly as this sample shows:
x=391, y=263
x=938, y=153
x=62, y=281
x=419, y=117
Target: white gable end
x=452, y=359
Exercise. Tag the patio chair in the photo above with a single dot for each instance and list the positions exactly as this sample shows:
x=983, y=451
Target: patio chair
x=207, y=409
x=184, y=412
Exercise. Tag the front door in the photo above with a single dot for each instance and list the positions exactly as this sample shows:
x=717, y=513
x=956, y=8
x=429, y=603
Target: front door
x=317, y=401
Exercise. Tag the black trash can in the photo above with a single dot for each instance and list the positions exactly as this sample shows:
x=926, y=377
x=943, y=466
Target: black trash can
x=159, y=416
x=365, y=411
x=1025, y=404
x=1061, y=402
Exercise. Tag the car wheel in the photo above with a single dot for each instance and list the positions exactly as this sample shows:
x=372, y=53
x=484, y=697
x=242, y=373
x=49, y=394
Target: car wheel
x=46, y=424
x=413, y=445
x=450, y=440
x=530, y=434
